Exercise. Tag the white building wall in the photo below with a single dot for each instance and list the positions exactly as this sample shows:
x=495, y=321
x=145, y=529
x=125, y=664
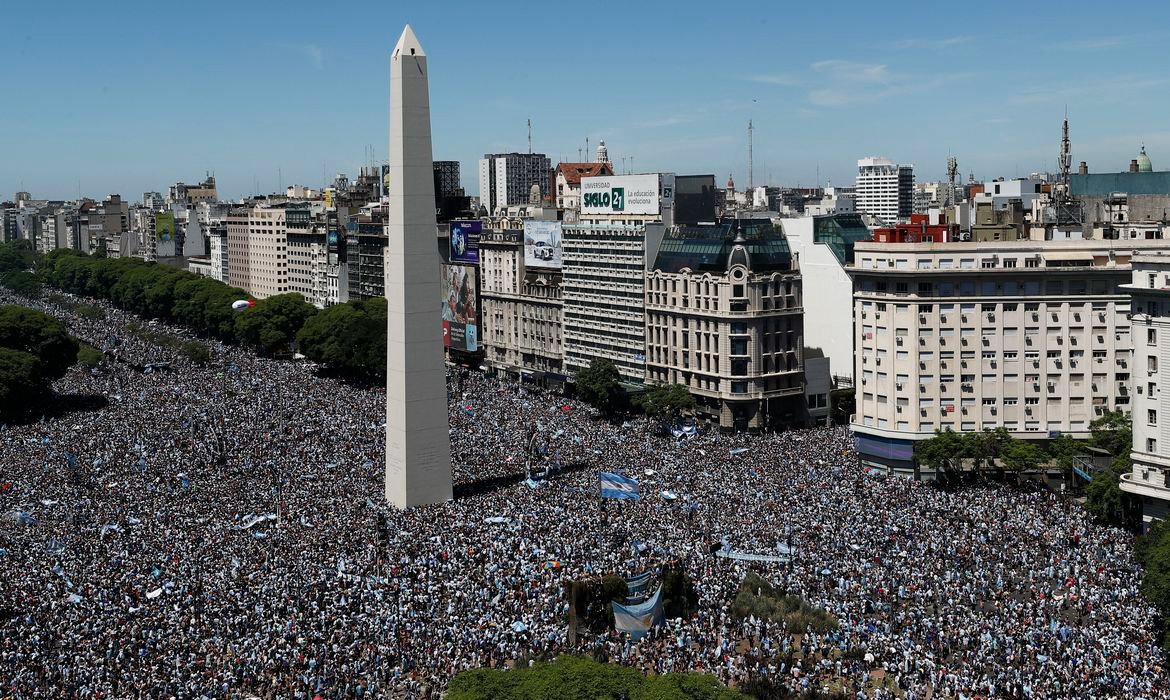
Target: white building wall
x=828, y=296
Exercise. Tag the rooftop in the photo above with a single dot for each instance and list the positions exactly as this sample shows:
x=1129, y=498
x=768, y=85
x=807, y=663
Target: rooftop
x=708, y=247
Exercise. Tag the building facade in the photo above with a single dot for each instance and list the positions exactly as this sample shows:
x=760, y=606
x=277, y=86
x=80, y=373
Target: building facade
x=568, y=181
x=258, y=249
x=1149, y=291
x=522, y=310
x=724, y=319
x=885, y=189
x=1031, y=337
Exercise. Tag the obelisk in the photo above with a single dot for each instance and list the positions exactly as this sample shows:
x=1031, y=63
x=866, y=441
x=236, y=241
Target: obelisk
x=418, y=444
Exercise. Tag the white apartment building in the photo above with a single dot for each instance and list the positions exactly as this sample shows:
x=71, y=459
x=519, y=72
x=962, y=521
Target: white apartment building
x=506, y=179
x=309, y=265
x=825, y=246
x=885, y=189
x=258, y=250
x=1030, y=336
x=217, y=240
x=1149, y=292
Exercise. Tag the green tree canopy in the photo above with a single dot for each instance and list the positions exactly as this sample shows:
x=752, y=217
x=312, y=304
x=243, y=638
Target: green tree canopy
x=1105, y=501
x=1113, y=432
x=666, y=402
x=273, y=324
x=23, y=386
x=571, y=678
x=599, y=385
x=348, y=338
x=39, y=335
x=22, y=282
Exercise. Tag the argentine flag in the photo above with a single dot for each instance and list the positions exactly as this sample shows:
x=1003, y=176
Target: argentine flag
x=618, y=486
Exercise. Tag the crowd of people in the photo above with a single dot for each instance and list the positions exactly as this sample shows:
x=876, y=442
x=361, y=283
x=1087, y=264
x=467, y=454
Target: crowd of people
x=211, y=532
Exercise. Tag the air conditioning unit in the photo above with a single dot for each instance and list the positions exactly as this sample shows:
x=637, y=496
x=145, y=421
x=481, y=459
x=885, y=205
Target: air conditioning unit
x=922, y=319
x=1035, y=316
x=986, y=340
x=964, y=341
x=991, y=317
x=1028, y=410
x=963, y=317
x=994, y=410
x=899, y=409
x=878, y=361
x=921, y=340
x=921, y=365
x=1051, y=387
x=1100, y=339
x=899, y=340
x=963, y=364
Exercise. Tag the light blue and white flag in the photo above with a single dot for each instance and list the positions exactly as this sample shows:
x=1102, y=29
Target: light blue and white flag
x=638, y=584
x=636, y=620
x=618, y=486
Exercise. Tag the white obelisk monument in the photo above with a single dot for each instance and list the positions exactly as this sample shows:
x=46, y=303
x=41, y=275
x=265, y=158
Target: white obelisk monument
x=418, y=444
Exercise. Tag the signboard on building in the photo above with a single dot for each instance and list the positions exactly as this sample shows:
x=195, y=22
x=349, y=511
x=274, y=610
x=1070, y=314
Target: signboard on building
x=164, y=226
x=464, y=241
x=542, y=244
x=459, y=308
x=637, y=195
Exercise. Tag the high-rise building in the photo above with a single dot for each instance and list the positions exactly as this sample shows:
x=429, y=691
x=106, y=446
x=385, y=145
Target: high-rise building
x=607, y=252
x=447, y=179
x=724, y=319
x=1034, y=337
x=153, y=201
x=885, y=189
x=506, y=179
x=1149, y=291
x=258, y=248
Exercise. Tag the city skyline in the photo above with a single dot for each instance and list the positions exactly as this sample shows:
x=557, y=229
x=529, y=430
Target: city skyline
x=305, y=99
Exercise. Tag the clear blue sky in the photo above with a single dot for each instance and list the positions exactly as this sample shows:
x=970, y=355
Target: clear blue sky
x=132, y=96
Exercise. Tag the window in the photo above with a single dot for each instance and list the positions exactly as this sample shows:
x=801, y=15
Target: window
x=1031, y=262
x=1151, y=445
x=1151, y=417
x=1151, y=336
x=1009, y=262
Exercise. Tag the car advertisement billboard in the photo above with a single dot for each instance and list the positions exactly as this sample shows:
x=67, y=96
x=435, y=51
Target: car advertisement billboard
x=164, y=226
x=459, y=306
x=542, y=244
x=465, y=241
x=620, y=194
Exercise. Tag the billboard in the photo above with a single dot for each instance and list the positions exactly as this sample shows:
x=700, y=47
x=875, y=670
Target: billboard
x=542, y=244
x=621, y=194
x=164, y=226
x=465, y=241
x=459, y=307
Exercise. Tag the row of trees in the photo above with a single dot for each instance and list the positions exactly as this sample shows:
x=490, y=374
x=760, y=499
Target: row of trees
x=600, y=385
x=348, y=339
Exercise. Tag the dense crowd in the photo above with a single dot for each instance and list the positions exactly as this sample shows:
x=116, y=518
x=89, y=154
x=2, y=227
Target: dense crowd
x=211, y=533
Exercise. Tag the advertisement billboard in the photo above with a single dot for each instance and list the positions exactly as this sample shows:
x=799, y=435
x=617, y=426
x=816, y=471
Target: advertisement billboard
x=620, y=194
x=164, y=226
x=542, y=244
x=459, y=306
x=465, y=241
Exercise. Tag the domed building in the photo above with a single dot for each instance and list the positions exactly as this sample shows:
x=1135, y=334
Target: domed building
x=1143, y=162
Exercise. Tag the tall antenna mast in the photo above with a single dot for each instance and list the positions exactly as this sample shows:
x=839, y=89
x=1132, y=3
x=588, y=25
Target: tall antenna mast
x=1065, y=158
x=529, y=136
x=751, y=168
x=952, y=173
x=587, y=150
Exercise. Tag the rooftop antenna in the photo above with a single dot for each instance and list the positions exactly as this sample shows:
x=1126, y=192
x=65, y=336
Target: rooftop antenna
x=1065, y=156
x=952, y=173
x=624, y=171
x=586, y=147
x=530, y=136
x=751, y=169
x=578, y=155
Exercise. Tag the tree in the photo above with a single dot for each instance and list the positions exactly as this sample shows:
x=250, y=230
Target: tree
x=1113, y=432
x=666, y=402
x=1104, y=499
x=599, y=385
x=1066, y=452
x=22, y=282
x=39, y=335
x=1153, y=553
x=844, y=405
x=943, y=452
x=272, y=325
x=16, y=256
x=1021, y=455
x=349, y=339
x=88, y=356
x=23, y=387
x=571, y=677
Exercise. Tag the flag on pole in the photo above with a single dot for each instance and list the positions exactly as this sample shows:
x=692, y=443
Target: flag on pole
x=618, y=486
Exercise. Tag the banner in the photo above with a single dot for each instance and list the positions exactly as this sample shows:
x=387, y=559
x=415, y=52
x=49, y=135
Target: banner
x=164, y=226
x=636, y=620
x=459, y=308
x=637, y=584
x=619, y=487
x=542, y=244
x=744, y=556
x=464, y=241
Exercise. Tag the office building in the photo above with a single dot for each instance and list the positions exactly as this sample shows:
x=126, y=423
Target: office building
x=365, y=247
x=885, y=189
x=258, y=248
x=1033, y=337
x=825, y=246
x=1149, y=292
x=507, y=178
x=153, y=201
x=606, y=253
x=724, y=319
x=447, y=179
x=568, y=181
x=308, y=257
